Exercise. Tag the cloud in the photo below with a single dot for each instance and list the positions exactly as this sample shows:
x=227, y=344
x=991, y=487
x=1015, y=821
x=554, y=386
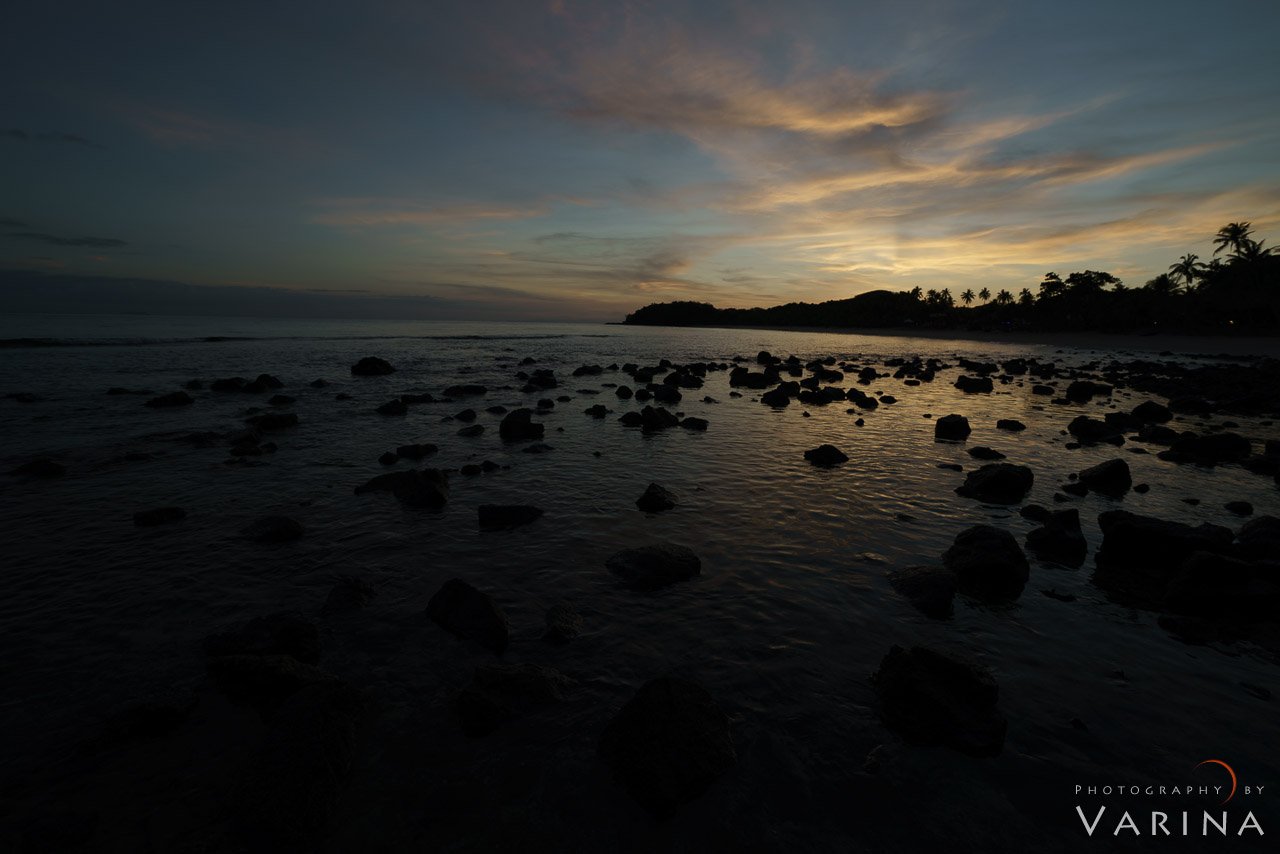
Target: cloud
x=372, y=212
x=20, y=135
x=56, y=240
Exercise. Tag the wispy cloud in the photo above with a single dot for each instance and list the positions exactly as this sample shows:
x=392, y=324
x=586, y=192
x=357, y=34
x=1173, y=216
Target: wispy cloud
x=57, y=137
x=370, y=212
x=59, y=240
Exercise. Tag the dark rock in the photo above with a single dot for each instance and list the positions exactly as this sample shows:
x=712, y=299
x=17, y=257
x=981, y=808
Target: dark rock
x=1092, y=431
x=1041, y=389
x=825, y=456
x=777, y=397
x=414, y=488
x=1059, y=539
x=273, y=529
x=471, y=431
x=984, y=453
x=294, y=786
x=281, y=400
x=318, y=383
x=175, y=398
x=263, y=680
x=1151, y=412
x=1034, y=512
x=388, y=459
x=466, y=416
x=623, y=392
x=372, y=366
x=415, y=451
x=536, y=448
x=1217, y=585
x=655, y=499
x=393, y=407
x=997, y=483
x=1082, y=391
x=1157, y=435
x=988, y=563
x=518, y=426
x=274, y=421
x=1142, y=549
x=1259, y=539
x=930, y=588
x=668, y=744
x=465, y=390
x=497, y=517
x=951, y=427
x=973, y=385
x=349, y=593
x=1011, y=424
x=1240, y=508
x=469, y=614
x=563, y=623
x=1210, y=449
x=698, y=424
x=651, y=567
x=499, y=692
x=1109, y=478
x=932, y=697
x=286, y=633
x=158, y=516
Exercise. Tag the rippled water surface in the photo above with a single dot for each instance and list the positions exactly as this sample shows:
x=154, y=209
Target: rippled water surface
x=791, y=615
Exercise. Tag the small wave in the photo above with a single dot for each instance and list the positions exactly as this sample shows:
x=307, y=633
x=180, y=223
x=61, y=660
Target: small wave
x=21, y=343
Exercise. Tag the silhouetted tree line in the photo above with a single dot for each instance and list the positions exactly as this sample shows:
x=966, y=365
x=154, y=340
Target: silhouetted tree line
x=1238, y=289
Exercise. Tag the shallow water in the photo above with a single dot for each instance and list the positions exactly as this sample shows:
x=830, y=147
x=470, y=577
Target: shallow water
x=790, y=617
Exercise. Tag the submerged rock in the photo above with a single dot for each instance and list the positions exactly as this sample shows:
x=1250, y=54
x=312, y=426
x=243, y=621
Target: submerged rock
x=988, y=563
x=656, y=499
x=982, y=452
x=1011, y=424
x=698, y=424
x=1059, y=539
x=952, y=427
x=349, y=593
x=1145, y=552
x=286, y=633
x=564, y=623
x=273, y=529
x=826, y=456
x=175, y=398
x=668, y=744
x=518, y=426
x=933, y=697
x=158, y=516
x=974, y=385
x=1109, y=478
x=469, y=614
x=499, y=692
x=497, y=517
x=930, y=588
x=39, y=468
x=654, y=566
x=997, y=483
x=393, y=407
x=414, y=488
x=372, y=366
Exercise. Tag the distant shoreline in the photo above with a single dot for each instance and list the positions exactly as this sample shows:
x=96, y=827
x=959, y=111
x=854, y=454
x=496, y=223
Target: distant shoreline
x=1179, y=343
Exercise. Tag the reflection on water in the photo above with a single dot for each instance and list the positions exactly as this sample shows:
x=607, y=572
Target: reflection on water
x=790, y=616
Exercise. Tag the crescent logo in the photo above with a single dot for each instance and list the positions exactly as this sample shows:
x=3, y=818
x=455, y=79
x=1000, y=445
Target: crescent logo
x=1230, y=771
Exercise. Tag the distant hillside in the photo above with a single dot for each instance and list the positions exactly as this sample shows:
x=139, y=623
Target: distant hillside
x=872, y=309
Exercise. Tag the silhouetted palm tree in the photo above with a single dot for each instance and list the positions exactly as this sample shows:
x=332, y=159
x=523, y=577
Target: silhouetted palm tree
x=985, y=294
x=1052, y=286
x=916, y=292
x=1233, y=236
x=1004, y=298
x=967, y=297
x=1162, y=285
x=1188, y=269
x=1025, y=297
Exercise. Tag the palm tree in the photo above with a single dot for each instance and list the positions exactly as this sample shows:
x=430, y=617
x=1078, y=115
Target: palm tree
x=1188, y=269
x=985, y=294
x=967, y=297
x=1052, y=286
x=1025, y=297
x=916, y=292
x=1253, y=251
x=1162, y=285
x=1233, y=236
x=1004, y=298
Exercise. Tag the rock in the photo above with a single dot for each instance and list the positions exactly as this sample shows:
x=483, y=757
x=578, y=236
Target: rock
x=518, y=426
x=698, y=424
x=537, y=448
x=175, y=398
x=414, y=488
x=597, y=411
x=936, y=698
x=655, y=566
x=499, y=692
x=294, y=785
x=1259, y=539
x=1151, y=412
x=997, y=483
x=988, y=563
x=388, y=459
x=1082, y=391
x=1240, y=508
x=623, y=392
x=1148, y=551
x=318, y=383
x=471, y=431
x=273, y=529
x=825, y=456
x=1059, y=539
x=656, y=499
x=1157, y=435
x=650, y=420
x=1092, y=431
x=1210, y=449
x=271, y=421
x=668, y=744
x=777, y=397
x=1034, y=512
x=372, y=366
x=263, y=680
x=415, y=451
x=349, y=593
x=1217, y=585
x=955, y=427
x=984, y=453
x=286, y=633
x=469, y=614
x=281, y=400
x=1041, y=389
x=497, y=517
x=973, y=385
x=931, y=589
x=563, y=623
x=1011, y=424
x=393, y=407
x=158, y=516
x=39, y=468
x=466, y=390
x=1109, y=478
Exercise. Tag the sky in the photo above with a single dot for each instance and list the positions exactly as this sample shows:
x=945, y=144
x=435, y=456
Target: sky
x=574, y=160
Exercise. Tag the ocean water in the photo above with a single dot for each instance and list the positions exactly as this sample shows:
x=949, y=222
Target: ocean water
x=789, y=619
